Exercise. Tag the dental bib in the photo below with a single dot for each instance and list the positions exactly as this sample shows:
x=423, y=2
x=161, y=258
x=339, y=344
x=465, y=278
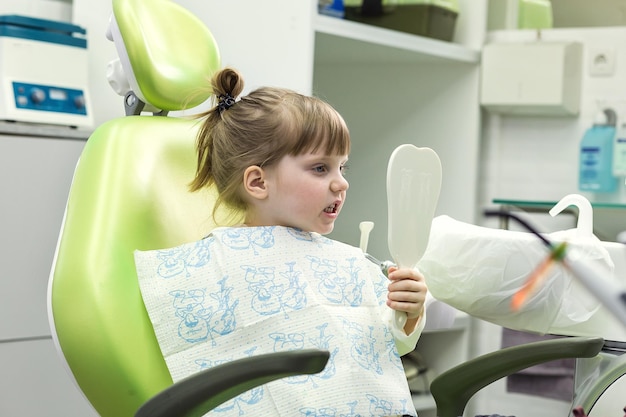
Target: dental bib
x=253, y=290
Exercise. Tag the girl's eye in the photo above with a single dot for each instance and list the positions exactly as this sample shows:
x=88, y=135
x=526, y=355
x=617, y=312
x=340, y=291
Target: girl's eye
x=343, y=169
x=320, y=168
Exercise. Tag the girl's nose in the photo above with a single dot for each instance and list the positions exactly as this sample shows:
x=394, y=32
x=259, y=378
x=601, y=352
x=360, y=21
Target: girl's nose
x=339, y=184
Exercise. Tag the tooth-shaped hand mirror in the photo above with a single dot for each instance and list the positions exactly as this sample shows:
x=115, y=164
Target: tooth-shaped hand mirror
x=413, y=185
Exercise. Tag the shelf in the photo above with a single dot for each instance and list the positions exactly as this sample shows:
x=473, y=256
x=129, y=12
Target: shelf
x=42, y=130
x=608, y=218
x=525, y=204
x=344, y=41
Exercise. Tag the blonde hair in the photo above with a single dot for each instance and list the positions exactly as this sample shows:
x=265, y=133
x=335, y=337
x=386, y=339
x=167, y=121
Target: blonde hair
x=259, y=129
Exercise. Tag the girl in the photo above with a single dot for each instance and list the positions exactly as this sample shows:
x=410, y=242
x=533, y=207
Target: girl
x=275, y=282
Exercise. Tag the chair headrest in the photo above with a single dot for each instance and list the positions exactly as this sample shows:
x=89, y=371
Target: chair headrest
x=166, y=54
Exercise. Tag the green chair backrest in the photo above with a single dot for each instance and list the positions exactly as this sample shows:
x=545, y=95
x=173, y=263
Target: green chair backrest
x=129, y=192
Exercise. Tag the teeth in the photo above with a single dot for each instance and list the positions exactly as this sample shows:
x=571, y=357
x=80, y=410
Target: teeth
x=331, y=209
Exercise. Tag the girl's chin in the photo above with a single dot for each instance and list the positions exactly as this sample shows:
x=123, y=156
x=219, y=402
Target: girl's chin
x=322, y=229
x=326, y=230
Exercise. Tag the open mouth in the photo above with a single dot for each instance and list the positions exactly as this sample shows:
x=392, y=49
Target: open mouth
x=332, y=208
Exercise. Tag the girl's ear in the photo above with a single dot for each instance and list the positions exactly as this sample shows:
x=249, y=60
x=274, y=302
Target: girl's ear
x=254, y=182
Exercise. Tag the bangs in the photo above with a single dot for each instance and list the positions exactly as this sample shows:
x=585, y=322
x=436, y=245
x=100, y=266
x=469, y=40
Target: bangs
x=323, y=129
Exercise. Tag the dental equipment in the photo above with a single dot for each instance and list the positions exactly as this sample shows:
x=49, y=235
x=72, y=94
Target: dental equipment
x=612, y=295
x=365, y=228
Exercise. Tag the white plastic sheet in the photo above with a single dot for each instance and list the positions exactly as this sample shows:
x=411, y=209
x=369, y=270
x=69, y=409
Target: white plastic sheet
x=478, y=269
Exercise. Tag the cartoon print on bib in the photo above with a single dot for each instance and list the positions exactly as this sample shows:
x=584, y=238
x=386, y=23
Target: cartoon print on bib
x=244, y=291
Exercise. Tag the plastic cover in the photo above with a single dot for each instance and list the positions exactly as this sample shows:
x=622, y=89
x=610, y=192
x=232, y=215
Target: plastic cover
x=478, y=269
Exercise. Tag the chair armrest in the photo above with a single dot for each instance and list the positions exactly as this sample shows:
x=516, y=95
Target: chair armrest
x=454, y=388
x=199, y=393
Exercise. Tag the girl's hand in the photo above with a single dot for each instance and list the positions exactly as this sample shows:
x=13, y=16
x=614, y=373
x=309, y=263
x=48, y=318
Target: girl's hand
x=407, y=291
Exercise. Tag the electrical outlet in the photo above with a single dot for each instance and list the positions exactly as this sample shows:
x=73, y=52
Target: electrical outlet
x=601, y=61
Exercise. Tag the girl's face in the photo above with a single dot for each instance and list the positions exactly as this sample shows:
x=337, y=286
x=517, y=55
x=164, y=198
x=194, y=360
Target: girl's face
x=305, y=191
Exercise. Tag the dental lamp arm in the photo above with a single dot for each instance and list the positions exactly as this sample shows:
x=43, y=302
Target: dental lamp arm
x=612, y=295
x=608, y=292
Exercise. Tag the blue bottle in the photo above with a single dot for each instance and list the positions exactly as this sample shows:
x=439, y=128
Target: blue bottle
x=334, y=8
x=596, y=156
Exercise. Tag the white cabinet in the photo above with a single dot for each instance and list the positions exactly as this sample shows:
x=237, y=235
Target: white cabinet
x=34, y=382
x=36, y=172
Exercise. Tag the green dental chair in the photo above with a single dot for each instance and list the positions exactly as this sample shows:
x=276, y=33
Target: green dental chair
x=129, y=192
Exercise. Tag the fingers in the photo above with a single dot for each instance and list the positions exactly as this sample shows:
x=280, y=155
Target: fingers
x=402, y=293
x=396, y=274
x=407, y=291
x=412, y=309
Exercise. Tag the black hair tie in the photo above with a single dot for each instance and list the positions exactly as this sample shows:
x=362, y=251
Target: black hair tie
x=225, y=102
